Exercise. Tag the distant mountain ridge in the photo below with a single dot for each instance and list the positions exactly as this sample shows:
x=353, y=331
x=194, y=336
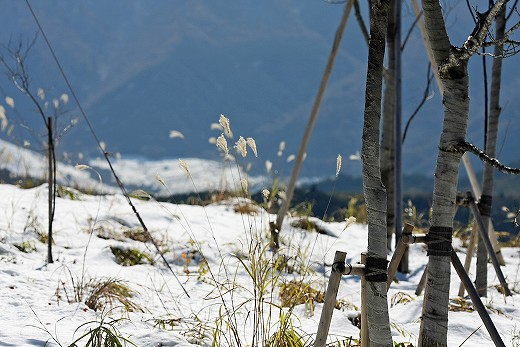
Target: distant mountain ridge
x=144, y=68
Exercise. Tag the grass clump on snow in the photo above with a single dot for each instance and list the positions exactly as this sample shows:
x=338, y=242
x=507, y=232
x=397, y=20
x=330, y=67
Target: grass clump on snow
x=101, y=334
x=130, y=256
x=97, y=294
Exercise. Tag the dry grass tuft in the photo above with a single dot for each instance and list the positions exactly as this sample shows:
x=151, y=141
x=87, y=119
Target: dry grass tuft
x=298, y=292
x=109, y=292
x=460, y=305
x=306, y=224
x=137, y=234
x=130, y=256
x=97, y=294
x=400, y=298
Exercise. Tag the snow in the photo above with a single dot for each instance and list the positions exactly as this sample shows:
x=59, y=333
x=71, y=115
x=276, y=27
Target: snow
x=206, y=175
x=35, y=308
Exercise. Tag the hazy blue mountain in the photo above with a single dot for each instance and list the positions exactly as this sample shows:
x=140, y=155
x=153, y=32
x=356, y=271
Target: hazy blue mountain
x=143, y=68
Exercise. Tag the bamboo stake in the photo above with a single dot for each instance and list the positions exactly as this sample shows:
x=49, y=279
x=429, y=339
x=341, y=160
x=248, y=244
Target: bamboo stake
x=330, y=301
x=469, y=254
x=365, y=341
x=312, y=120
x=422, y=281
x=399, y=251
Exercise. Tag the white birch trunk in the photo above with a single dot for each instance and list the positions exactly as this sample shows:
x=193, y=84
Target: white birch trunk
x=492, y=130
x=434, y=324
x=387, y=137
x=374, y=191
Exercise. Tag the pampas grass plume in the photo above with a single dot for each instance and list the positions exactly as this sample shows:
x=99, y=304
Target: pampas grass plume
x=9, y=101
x=224, y=122
x=241, y=146
x=160, y=179
x=64, y=98
x=222, y=144
x=183, y=165
x=349, y=221
x=41, y=93
x=338, y=164
x=252, y=144
x=216, y=126
x=176, y=134
x=244, y=184
x=268, y=166
x=281, y=148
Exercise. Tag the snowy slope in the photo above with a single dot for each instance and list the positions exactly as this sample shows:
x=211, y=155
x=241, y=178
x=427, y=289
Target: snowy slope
x=35, y=305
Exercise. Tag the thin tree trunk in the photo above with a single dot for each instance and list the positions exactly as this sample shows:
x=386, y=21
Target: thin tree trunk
x=387, y=137
x=434, y=324
x=374, y=191
x=50, y=188
x=485, y=203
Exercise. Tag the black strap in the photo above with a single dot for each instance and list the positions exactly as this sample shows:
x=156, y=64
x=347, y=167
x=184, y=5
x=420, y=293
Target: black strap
x=439, y=241
x=376, y=269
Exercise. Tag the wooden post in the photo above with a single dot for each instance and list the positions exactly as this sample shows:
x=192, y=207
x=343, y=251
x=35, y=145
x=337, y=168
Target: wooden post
x=485, y=237
x=399, y=251
x=477, y=193
x=422, y=282
x=479, y=306
x=469, y=254
x=365, y=342
x=330, y=301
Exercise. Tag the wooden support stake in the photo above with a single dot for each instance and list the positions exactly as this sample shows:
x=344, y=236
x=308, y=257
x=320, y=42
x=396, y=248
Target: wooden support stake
x=398, y=253
x=422, y=282
x=469, y=254
x=365, y=342
x=479, y=306
x=482, y=230
x=330, y=301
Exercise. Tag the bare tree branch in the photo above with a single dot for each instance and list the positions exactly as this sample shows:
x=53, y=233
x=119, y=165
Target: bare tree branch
x=426, y=96
x=361, y=22
x=410, y=30
x=476, y=39
x=513, y=9
x=463, y=147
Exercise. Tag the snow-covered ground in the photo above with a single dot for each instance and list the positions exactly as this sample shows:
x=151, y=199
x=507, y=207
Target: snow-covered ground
x=206, y=175
x=136, y=173
x=37, y=299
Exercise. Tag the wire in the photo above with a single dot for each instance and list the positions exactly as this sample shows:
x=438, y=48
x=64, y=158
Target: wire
x=105, y=154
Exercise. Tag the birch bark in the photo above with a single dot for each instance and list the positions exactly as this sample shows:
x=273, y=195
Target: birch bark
x=373, y=189
x=453, y=71
x=486, y=200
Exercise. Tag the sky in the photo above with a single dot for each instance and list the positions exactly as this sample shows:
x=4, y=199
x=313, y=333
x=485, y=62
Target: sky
x=141, y=70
